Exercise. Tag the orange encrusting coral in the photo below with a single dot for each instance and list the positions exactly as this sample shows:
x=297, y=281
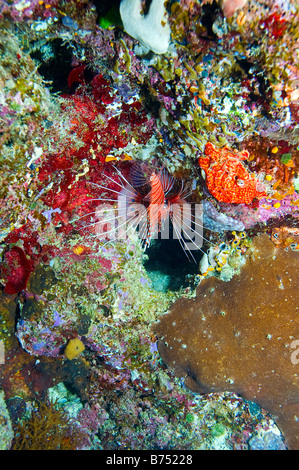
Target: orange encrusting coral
x=226, y=177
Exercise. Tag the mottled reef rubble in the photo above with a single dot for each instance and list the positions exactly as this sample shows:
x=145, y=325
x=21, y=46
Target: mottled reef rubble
x=81, y=101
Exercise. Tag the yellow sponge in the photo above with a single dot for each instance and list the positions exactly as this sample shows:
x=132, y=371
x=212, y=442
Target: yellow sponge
x=74, y=348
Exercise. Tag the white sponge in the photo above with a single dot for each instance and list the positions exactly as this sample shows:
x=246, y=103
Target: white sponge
x=152, y=29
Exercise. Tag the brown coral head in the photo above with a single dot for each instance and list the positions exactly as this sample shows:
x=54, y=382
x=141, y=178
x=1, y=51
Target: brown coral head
x=239, y=335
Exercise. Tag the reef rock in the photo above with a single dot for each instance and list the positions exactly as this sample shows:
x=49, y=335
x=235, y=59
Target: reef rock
x=242, y=335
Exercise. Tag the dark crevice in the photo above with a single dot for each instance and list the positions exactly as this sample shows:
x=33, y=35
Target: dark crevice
x=54, y=61
x=168, y=266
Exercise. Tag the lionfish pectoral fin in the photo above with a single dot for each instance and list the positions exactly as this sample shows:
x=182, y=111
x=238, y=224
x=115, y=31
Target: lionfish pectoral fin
x=167, y=181
x=139, y=175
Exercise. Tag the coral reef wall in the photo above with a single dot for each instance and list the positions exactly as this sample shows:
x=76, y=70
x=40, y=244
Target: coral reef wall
x=193, y=103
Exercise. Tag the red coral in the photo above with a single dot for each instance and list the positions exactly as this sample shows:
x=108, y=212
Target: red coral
x=96, y=131
x=226, y=176
x=275, y=24
x=76, y=76
x=16, y=269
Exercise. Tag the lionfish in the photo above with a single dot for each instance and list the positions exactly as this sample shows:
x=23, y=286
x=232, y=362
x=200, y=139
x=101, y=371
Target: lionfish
x=147, y=200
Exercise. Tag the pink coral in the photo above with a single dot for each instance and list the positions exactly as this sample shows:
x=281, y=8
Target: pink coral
x=229, y=7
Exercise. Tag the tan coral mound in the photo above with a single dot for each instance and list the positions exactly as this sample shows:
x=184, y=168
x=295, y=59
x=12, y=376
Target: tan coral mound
x=240, y=335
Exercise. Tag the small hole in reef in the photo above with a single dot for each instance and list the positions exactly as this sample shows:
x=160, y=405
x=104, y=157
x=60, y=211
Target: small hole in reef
x=168, y=266
x=54, y=61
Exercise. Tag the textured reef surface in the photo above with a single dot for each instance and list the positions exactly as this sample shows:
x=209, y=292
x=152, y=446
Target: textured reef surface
x=117, y=330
